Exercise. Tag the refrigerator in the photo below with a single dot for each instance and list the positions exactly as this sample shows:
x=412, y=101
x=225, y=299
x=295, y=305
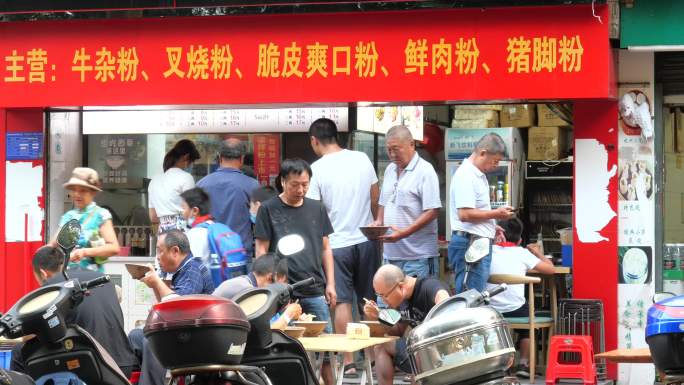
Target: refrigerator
x=505, y=182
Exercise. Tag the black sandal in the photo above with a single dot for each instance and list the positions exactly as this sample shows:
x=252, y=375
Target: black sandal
x=350, y=370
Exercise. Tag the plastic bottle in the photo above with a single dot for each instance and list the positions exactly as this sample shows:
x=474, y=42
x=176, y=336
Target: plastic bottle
x=540, y=241
x=492, y=341
x=477, y=345
x=215, y=268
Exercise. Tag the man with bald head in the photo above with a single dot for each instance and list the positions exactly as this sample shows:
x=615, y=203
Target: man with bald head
x=229, y=191
x=413, y=297
x=409, y=203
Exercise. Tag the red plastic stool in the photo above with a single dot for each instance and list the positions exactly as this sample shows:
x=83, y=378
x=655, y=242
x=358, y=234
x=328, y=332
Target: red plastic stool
x=584, y=370
x=135, y=378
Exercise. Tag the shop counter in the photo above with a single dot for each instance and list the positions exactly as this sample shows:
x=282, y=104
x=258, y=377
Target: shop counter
x=136, y=297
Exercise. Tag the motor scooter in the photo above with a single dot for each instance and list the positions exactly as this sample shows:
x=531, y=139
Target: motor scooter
x=57, y=346
x=460, y=341
x=209, y=340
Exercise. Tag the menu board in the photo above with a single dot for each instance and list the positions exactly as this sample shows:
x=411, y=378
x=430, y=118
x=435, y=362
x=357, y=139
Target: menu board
x=210, y=121
x=120, y=160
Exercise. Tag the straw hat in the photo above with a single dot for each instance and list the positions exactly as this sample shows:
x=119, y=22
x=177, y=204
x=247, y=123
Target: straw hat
x=84, y=176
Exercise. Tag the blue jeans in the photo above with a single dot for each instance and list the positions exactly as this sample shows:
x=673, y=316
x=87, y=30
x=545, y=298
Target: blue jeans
x=479, y=272
x=318, y=307
x=152, y=372
x=419, y=268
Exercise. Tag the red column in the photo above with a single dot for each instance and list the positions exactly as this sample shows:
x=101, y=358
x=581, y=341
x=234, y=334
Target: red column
x=595, y=264
x=16, y=272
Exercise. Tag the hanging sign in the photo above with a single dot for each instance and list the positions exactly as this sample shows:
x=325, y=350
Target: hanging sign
x=426, y=55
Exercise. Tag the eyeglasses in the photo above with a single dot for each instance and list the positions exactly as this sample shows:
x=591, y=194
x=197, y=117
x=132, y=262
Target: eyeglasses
x=389, y=291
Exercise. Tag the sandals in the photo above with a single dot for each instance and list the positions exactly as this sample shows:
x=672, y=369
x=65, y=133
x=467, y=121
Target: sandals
x=350, y=370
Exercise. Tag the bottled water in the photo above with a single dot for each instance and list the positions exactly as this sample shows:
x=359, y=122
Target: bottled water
x=477, y=345
x=492, y=341
x=215, y=268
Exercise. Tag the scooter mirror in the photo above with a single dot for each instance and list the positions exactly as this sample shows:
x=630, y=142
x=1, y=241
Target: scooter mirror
x=389, y=317
x=68, y=235
x=290, y=245
x=477, y=250
x=67, y=239
x=661, y=296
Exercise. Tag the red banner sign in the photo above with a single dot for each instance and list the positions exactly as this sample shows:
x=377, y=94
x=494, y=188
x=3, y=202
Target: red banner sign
x=416, y=56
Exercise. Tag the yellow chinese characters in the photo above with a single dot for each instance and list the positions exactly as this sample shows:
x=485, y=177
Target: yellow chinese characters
x=201, y=63
x=269, y=60
x=108, y=65
x=316, y=60
x=26, y=66
x=571, y=51
x=544, y=54
x=322, y=60
x=443, y=57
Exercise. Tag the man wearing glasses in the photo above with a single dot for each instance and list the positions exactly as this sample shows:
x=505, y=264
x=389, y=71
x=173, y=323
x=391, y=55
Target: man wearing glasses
x=414, y=297
x=409, y=203
x=471, y=213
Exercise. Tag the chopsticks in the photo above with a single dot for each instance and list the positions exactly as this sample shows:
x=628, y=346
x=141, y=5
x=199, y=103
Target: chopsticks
x=371, y=303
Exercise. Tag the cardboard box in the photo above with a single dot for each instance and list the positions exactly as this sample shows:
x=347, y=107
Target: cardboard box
x=518, y=115
x=461, y=114
x=475, y=123
x=546, y=143
x=495, y=107
x=547, y=118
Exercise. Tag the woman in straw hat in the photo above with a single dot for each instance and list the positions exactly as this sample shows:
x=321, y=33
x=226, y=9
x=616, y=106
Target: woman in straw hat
x=98, y=240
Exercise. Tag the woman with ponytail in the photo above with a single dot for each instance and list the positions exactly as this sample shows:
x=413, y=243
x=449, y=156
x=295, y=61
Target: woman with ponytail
x=164, y=190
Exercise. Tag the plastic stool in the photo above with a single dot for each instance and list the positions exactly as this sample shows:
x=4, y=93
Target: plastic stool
x=585, y=370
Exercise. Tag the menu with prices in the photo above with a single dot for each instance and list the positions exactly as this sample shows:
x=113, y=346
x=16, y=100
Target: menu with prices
x=202, y=121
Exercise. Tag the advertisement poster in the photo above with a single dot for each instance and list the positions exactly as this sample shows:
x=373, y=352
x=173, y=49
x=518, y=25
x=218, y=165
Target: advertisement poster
x=266, y=157
x=120, y=160
x=636, y=225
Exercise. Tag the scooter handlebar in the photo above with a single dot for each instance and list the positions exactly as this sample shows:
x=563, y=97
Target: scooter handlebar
x=496, y=290
x=303, y=283
x=99, y=281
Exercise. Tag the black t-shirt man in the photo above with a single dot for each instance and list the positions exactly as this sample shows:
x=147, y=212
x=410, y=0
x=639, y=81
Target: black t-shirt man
x=277, y=219
x=422, y=300
x=100, y=315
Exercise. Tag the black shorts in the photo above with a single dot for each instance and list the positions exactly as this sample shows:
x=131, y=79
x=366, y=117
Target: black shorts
x=355, y=267
x=522, y=311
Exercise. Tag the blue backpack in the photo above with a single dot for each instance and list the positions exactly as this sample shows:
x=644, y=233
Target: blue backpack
x=228, y=255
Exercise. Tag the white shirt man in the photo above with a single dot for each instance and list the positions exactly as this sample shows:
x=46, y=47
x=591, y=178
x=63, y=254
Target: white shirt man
x=509, y=258
x=346, y=183
x=409, y=203
x=471, y=214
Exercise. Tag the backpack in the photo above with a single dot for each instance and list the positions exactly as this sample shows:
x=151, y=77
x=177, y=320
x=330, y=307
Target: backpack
x=226, y=245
